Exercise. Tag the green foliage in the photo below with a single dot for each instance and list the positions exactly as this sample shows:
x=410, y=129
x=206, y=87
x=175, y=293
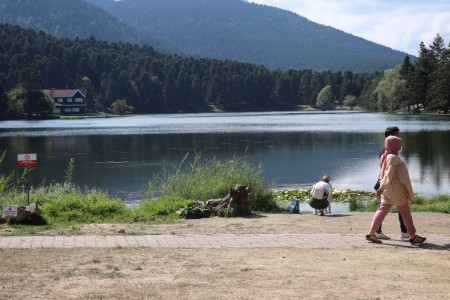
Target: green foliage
x=9, y=185
x=68, y=19
x=440, y=203
x=70, y=170
x=212, y=178
x=164, y=208
x=361, y=204
x=5, y=180
x=349, y=101
x=30, y=102
x=339, y=195
x=413, y=86
x=325, y=98
x=195, y=210
x=65, y=204
x=17, y=99
x=246, y=31
x=391, y=91
x=120, y=107
x=227, y=212
x=366, y=201
x=153, y=82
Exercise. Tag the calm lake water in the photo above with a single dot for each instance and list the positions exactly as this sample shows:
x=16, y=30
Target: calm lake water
x=119, y=155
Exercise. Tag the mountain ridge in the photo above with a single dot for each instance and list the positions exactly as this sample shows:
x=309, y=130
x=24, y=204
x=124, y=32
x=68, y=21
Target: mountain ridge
x=255, y=33
x=226, y=30
x=74, y=18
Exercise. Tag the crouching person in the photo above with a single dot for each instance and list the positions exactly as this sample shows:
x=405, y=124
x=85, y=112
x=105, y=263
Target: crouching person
x=321, y=196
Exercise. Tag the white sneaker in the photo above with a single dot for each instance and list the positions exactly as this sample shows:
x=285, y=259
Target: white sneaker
x=315, y=212
x=404, y=236
x=382, y=236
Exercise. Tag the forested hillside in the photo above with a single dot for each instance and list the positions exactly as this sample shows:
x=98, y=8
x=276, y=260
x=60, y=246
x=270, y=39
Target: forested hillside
x=152, y=82
x=70, y=18
x=423, y=85
x=248, y=32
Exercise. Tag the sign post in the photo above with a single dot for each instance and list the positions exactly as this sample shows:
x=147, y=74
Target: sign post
x=27, y=160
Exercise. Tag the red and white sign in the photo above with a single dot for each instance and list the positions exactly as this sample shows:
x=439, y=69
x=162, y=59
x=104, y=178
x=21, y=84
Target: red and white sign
x=10, y=211
x=27, y=160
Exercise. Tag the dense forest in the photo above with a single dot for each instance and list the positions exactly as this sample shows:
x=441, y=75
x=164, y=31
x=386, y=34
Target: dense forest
x=248, y=32
x=153, y=82
x=423, y=85
x=227, y=30
x=74, y=18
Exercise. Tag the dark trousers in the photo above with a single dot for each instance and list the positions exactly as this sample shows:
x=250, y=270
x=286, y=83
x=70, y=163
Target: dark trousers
x=319, y=203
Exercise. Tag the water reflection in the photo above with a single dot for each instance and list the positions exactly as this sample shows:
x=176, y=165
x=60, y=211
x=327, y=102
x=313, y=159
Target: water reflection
x=295, y=152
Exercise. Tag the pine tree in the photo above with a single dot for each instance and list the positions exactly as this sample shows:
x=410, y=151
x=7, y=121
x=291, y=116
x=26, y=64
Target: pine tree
x=420, y=79
x=438, y=95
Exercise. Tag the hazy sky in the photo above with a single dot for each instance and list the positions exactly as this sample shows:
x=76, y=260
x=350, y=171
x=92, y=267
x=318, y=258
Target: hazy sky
x=398, y=24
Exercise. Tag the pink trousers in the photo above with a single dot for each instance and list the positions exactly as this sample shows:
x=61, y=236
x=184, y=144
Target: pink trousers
x=384, y=209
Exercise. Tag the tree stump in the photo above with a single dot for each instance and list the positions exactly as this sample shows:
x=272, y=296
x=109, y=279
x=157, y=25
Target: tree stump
x=236, y=203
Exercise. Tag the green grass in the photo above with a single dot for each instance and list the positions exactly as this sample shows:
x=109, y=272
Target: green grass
x=176, y=187
x=67, y=204
x=205, y=179
x=439, y=204
x=366, y=201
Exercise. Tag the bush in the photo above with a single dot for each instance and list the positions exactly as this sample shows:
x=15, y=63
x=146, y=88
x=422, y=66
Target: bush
x=211, y=179
x=66, y=203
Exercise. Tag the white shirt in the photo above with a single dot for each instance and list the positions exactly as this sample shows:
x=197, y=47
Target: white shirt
x=320, y=188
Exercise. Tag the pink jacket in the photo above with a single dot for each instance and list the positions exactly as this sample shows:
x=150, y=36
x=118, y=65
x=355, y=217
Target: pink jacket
x=396, y=184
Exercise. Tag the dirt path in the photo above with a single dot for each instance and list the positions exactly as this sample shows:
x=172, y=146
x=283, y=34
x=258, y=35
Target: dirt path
x=354, y=272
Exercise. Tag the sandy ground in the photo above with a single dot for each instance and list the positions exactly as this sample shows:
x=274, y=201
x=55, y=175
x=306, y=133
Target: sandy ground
x=259, y=273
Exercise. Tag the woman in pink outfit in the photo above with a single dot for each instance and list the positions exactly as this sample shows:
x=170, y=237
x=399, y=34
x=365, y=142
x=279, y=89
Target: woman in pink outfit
x=395, y=189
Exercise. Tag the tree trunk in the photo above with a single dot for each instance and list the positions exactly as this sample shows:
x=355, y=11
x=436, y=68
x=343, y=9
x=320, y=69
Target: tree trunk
x=236, y=203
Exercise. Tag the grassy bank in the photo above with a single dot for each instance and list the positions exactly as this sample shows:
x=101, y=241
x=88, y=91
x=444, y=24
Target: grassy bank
x=176, y=187
x=366, y=201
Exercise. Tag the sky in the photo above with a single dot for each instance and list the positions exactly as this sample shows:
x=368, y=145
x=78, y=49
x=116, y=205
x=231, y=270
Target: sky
x=397, y=24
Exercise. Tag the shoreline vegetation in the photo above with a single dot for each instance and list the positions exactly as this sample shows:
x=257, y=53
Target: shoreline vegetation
x=300, y=108
x=196, y=85
x=172, y=194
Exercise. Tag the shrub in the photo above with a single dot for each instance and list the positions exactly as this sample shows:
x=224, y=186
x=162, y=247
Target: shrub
x=212, y=178
x=67, y=204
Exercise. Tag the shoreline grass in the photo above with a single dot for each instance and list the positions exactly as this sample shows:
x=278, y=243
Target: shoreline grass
x=178, y=187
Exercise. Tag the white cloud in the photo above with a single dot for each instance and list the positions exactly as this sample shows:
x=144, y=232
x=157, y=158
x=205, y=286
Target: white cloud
x=397, y=24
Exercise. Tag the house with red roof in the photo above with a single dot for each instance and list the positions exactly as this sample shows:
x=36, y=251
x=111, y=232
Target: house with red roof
x=68, y=101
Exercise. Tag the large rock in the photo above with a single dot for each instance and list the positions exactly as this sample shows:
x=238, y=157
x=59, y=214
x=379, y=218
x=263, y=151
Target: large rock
x=30, y=214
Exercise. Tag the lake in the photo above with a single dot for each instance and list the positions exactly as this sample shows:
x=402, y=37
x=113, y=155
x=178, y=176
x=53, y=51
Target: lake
x=120, y=155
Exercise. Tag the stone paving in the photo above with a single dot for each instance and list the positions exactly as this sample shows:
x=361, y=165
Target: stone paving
x=307, y=241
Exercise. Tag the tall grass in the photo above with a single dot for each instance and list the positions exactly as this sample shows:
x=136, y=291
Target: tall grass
x=211, y=178
x=440, y=203
x=9, y=184
x=5, y=180
x=70, y=169
x=67, y=204
x=176, y=187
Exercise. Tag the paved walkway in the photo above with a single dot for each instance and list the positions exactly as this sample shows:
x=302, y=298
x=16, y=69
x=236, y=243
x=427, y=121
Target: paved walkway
x=309, y=241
